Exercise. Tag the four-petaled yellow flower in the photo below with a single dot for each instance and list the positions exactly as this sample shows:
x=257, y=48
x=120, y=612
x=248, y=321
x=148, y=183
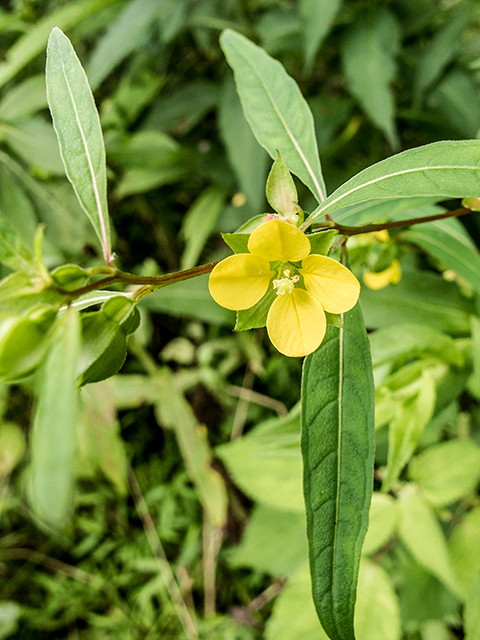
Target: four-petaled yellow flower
x=306, y=284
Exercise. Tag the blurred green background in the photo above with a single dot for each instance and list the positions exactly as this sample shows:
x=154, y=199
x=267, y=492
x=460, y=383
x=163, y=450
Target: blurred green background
x=188, y=461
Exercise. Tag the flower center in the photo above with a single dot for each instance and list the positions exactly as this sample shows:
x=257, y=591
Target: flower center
x=286, y=284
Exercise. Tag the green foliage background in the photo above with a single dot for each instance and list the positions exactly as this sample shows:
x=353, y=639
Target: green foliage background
x=162, y=442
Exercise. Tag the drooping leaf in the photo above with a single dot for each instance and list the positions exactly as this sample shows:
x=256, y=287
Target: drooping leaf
x=448, y=169
x=51, y=477
x=368, y=52
x=79, y=133
x=317, y=18
x=457, y=99
x=33, y=42
x=337, y=448
x=275, y=109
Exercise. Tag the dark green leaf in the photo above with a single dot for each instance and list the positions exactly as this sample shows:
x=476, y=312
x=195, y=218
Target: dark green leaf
x=13, y=252
x=337, y=447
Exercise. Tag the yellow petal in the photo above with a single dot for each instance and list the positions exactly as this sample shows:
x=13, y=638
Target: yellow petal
x=296, y=323
x=278, y=240
x=334, y=286
x=380, y=280
x=240, y=281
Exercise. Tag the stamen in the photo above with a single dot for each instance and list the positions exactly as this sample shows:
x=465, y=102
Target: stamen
x=283, y=286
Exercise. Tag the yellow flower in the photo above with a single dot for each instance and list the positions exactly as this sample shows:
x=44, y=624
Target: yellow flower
x=306, y=284
x=379, y=280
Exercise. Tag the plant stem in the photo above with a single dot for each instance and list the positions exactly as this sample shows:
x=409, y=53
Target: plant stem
x=154, y=282
x=398, y=224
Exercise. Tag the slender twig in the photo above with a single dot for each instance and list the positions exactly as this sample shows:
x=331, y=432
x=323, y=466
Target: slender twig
x=184, y=615
x=398, y=224
x=270, y=592
x=257, y=398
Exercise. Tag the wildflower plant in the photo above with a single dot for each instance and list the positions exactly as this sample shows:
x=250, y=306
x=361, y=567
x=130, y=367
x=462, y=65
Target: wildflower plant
x=280, y=276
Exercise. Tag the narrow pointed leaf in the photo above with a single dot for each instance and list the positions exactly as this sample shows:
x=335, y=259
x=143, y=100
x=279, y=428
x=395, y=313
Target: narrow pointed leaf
x=52, y=474
x=317, y=18
x=450, y=169
x=77, y=125
x=275, y=109
x=337, y=447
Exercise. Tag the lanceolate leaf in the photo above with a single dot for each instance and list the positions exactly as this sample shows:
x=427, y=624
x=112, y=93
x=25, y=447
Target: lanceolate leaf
x=77, y=124
x=337, y=447
x=53, y=436
x=449, y=169
x=275, y=109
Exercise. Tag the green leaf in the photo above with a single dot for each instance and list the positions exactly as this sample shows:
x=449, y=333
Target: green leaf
x=35, y=142
x=337, y=448
x=471, y=614
x=447, y=472
x=420, y=297
x=256, y=316
x=32, y=43
x=199, y=222
x=266, y=463
x=12, y=448
x=382, y=523
x=100, y=444
x=124, y=35
x=293, y=616
x=410, y=419
x=321, y=242
x=317, y=18
x=465, y=550
x=51, y=474
x=281, y=191
x=447, y=241
x=246, y=156
x=446, y=169
x=423, y=537
x=377, y=616
x=24, y=99
x=77, y=125
x=238, y=242
x=441, y=50
x=275, y=109
x=457, y=99
x=368, y=53
x=263, y=544
x=13, y=252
